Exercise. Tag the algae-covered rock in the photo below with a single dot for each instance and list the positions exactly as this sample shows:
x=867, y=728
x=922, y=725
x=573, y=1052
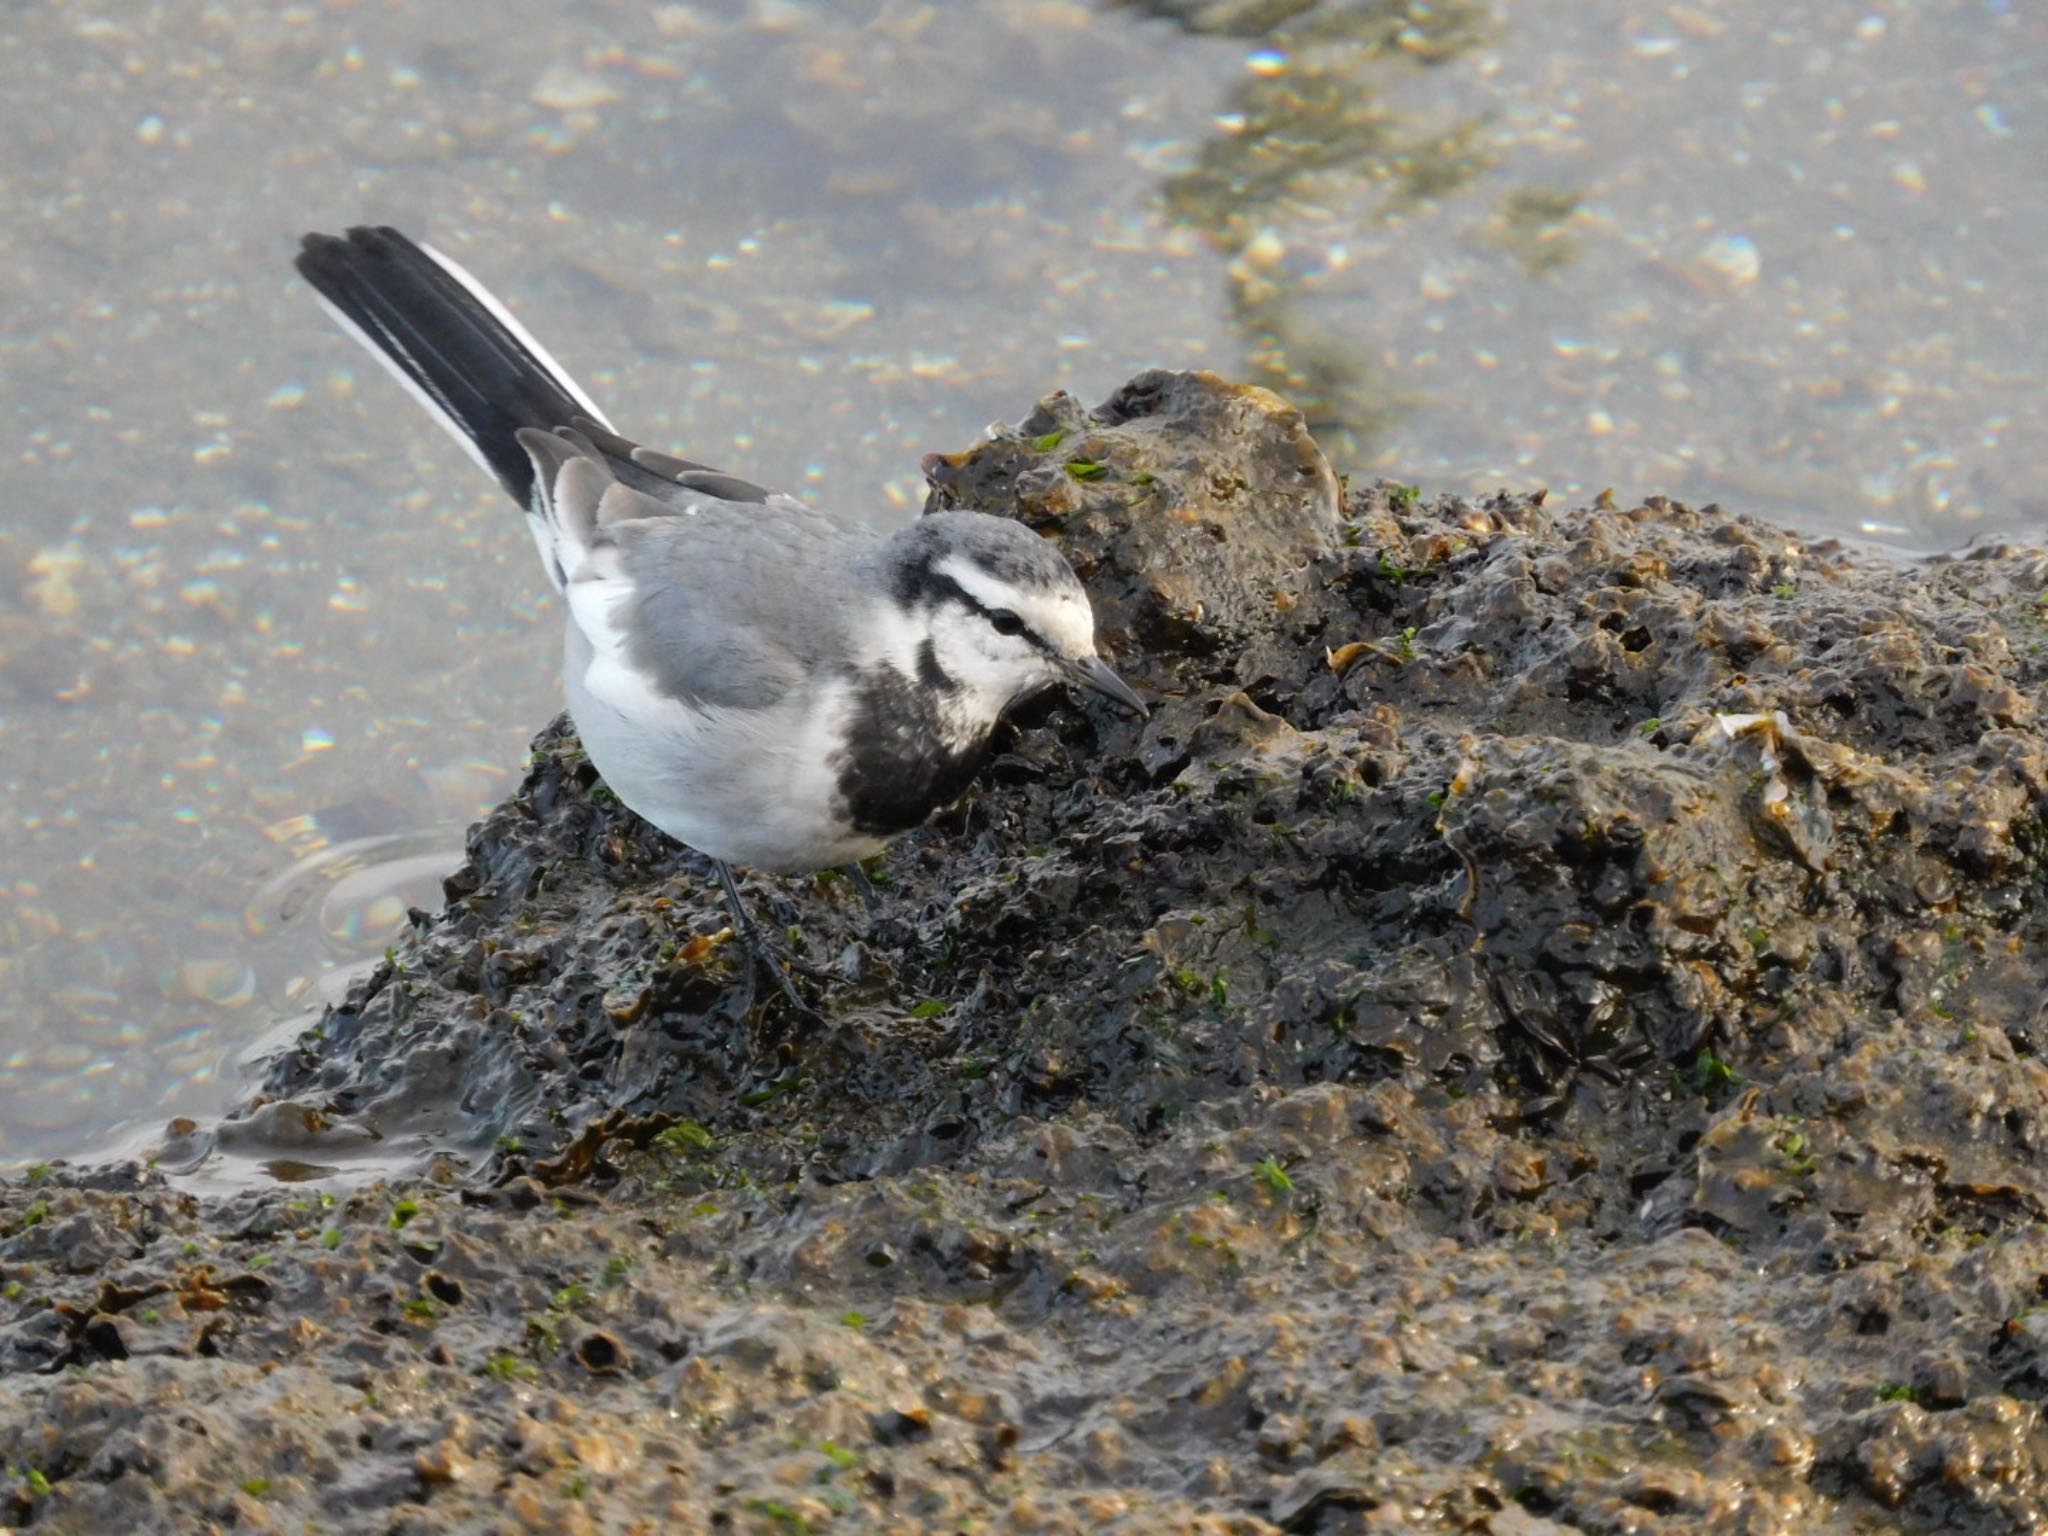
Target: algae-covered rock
x=1186, y=549
x=1539, y=1030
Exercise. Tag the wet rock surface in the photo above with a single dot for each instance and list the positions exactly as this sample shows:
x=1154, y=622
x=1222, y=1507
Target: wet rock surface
x=1538, y=1032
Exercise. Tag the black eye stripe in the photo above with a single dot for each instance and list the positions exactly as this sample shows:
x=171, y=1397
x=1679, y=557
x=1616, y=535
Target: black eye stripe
x=1038, y=641
x=936, y=587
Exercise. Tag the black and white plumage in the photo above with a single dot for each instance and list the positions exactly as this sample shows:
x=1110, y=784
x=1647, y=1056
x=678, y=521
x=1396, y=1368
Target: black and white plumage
x=757, y=678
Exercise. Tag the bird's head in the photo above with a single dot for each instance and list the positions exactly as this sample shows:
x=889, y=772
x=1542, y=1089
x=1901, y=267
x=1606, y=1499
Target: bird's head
x=1000, y=613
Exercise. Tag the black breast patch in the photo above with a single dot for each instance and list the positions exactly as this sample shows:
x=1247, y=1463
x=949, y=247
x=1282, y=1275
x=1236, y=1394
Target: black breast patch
x=897, y=766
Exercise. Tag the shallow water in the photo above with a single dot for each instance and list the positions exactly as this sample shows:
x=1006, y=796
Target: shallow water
x=267, y=642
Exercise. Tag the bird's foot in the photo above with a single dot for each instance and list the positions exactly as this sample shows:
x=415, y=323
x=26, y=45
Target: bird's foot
x=890, y=930
x=762, y=955
x=766, y=958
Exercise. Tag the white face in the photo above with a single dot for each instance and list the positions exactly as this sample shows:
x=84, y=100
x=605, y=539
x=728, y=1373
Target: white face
x=997, y=667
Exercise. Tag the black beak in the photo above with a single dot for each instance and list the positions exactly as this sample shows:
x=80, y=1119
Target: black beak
x=1093, y=673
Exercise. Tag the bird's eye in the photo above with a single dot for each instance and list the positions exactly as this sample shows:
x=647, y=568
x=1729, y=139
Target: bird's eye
x=1006, y=622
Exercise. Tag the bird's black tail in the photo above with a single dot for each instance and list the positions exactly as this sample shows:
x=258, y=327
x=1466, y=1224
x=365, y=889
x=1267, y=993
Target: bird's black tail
x=449, y=342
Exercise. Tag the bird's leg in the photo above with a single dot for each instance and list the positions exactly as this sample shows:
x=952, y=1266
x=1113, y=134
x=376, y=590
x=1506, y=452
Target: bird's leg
x=759, y=952
x=892, y=930
x=869, y=896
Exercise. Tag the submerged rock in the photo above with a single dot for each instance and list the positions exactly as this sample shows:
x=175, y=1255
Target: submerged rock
x=1537, y=1031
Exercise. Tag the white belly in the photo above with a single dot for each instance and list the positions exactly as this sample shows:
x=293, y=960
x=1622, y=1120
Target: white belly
x=748, y=787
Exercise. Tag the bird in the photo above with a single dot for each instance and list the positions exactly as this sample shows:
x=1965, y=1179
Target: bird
x=771, y=685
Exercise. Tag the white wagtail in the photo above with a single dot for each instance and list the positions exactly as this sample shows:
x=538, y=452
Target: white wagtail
x=753, y=676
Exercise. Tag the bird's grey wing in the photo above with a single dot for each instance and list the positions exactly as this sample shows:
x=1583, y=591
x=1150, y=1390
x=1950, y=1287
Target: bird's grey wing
x=736, y=606
x=692, y=598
